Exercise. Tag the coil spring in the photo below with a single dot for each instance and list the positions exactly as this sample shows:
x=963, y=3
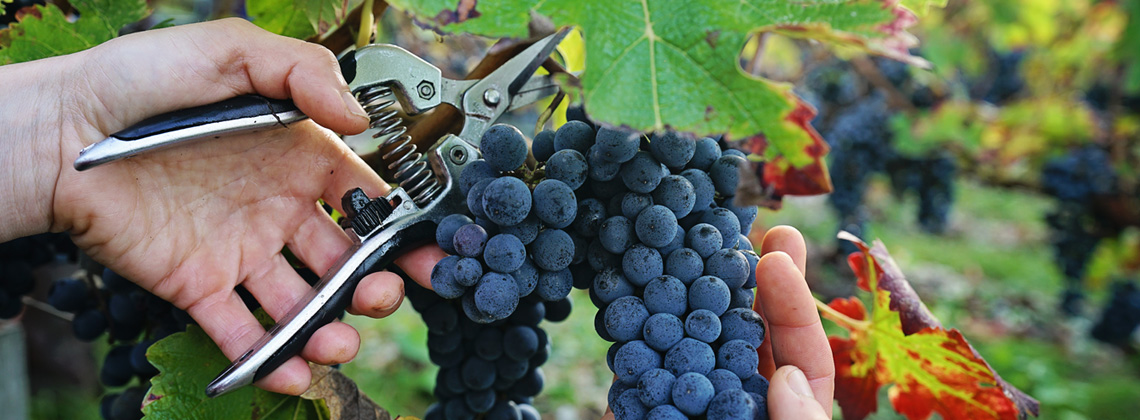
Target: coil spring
x=397, y=150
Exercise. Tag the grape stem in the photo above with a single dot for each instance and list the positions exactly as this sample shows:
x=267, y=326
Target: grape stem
x=32, y=303
x=841, y=319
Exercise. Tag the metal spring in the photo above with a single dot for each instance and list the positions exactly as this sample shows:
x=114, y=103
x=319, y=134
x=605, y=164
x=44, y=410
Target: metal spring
x=397, y=150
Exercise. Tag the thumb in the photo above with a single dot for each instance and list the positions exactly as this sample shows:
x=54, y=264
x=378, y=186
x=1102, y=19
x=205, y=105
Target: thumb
x=790, y=396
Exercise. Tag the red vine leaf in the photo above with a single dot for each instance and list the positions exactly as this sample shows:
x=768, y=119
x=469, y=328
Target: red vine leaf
x=899, y=343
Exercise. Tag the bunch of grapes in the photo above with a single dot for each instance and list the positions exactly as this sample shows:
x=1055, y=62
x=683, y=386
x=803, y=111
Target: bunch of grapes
x=133, y=318
x=1075, y=180
x=648, y=225
x=18, y=258
x=1121, y=317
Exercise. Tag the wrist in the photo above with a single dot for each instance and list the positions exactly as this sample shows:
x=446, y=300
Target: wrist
x=31, y=112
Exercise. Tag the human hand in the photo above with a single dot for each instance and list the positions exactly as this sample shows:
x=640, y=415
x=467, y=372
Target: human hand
x=803, y=384
x=193, y=222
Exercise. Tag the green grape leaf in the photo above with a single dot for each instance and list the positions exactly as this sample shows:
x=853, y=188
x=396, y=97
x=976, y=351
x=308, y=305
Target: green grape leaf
x=678, y=59
x=188, y=361
x=297, y=18
x=47, y=32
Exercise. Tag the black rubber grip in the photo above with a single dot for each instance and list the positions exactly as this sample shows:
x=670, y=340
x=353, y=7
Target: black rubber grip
x=405, y=240
x=230, y=109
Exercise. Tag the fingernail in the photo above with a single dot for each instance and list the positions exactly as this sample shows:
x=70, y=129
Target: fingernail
x=351, y=105
x=799, y=383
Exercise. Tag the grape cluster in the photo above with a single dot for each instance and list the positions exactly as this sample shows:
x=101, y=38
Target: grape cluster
x=648, y=225
x=674, y=277
x=509, y=269
x=133, y=318
x=1121, y=317
x=1075, y=180
x=855, y=120
x=491, y=369
x=18, y=258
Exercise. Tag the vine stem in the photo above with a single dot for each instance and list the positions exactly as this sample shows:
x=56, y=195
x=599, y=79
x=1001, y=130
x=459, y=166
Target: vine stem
x=48, y=309
x=841, y=319
x=367, y=20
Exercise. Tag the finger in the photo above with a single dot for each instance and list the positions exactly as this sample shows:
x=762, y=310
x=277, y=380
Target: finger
x=790, y=397
x=278, y=288
x=226, y=320
x=378, y=295
x=334, y=343
x=418, y=263
x=228, y=57
x=788, y=240
x=795, y=331
x=318, y=241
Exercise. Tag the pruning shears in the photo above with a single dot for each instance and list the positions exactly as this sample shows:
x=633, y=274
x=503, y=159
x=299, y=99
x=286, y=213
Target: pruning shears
x=381, y=228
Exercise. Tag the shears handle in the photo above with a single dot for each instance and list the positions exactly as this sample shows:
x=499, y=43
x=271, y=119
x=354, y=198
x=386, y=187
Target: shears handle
x=239, y=114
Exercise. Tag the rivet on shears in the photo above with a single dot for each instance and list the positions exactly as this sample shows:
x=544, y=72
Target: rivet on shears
x=491, y=97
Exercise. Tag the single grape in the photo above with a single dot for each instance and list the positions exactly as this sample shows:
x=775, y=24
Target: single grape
x=666, y=412
x=559, y=310
x=672, y=148
x=728, y=265
x=610, y=284
x=575, y=135
x=685, y=264
x=504, y=253
x=474, y=172
x=634, y=359
x=723, y=380
x=555, y=203
x=725, y=173
x=703, y=325
x=625, y=317
x=507, y=201
x=600, y=168
x=655, y=387
x=475, y=197
x=628, y=406
x=676, y=193
x=666, y=294
x=730, y=405
x=692, y=392
x=443, y=279
x=503, y=147
x=641, y=264
x=656, y=226
x=690, y=355
x=633, y=203
x=706, y=152
x=704, y=238
x=742, y=324
x=663, y=331
x=526, y=230
x=739, y=357
x=68, y=294
x=568, y=166
x=520, y=342
x=642, y=173
x=470, y=240
x=468, y=271
x=552, y=250
x=616, y=234
x=617, y=146
x=497, y=295
x=543, y=145
x=554, y=285
x=526, y=277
